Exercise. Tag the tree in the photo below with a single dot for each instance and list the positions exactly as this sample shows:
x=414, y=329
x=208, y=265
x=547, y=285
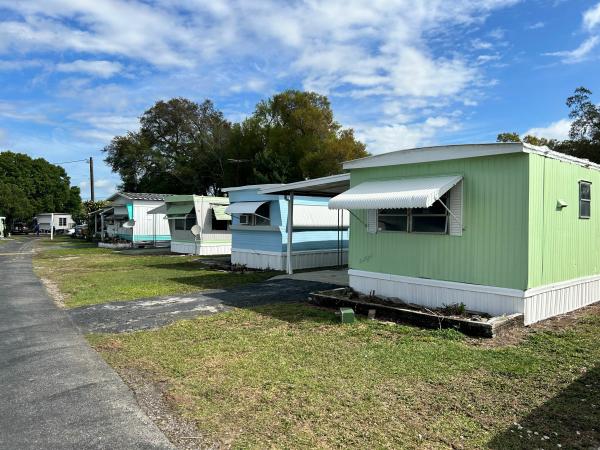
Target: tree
x=509, y=137
x=528, y=139
x=294, y=136
x=181, y=147
x=186, y=147
x=584, y=135
x=30, y=186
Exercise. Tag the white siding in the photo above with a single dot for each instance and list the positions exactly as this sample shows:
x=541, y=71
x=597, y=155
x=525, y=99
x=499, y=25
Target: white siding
x=148, y=225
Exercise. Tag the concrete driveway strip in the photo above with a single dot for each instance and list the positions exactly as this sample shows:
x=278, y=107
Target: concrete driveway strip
x=55, y=391
x=117, y=317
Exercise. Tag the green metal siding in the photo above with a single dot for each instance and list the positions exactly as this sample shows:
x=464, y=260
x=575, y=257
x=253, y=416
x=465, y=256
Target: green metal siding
x=493, y=248
x=561, y=246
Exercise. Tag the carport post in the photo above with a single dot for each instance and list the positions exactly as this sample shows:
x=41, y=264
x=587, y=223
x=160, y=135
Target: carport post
x=290, y=231
x=52, y=226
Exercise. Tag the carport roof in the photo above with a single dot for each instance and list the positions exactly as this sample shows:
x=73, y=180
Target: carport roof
x=317, y=187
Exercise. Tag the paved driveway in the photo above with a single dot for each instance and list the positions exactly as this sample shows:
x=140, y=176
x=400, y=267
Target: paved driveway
x=55, y=391
x=158, y=311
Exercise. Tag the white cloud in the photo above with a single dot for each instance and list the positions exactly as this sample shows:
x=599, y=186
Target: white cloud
x=580, y=53
x=386, y=138
x=591, y=17
x=536, y=26
x=556, y=130
x=479, y=44
x=19, y=64
x=384, y=53
x=22, y=112
x=101, y=128
x=103, y=69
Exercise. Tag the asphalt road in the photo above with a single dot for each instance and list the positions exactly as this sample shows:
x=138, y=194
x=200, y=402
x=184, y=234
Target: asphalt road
x=116, y=317
x=55, y=391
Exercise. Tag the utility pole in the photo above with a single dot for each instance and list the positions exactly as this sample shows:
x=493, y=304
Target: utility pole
x=92, y=179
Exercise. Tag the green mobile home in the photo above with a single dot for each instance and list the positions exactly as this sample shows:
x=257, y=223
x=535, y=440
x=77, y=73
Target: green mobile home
x=502, y=228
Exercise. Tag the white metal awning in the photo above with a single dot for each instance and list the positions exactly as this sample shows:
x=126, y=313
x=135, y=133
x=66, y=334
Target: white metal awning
x=402, y=193
x=243, y=207
x=115, y=211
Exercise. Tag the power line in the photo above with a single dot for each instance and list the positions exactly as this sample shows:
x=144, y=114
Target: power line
x=90, y=161
x=69, y=162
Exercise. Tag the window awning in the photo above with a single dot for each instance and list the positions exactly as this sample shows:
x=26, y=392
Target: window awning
x=175, y=210
x=402, y=193
x=243, y=207
x=115, y=211
x=162, y=209
x=219, y=212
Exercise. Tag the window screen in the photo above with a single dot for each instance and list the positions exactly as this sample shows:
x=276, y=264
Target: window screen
x=585, y=199
x=416, y=220
x=180, y=224
x=392, y=220
x=430, y=220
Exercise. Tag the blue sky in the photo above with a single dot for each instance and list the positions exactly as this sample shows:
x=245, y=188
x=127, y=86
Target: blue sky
x=403, y=73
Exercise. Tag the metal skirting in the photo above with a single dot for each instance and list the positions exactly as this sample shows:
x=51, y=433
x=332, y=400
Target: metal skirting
x=189, y=248
x=536, y=304
x=552, y=300
x=256, y=259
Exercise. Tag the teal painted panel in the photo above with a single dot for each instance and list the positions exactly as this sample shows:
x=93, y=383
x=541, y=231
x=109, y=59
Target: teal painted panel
x=143, y=237
x=130, y=210
x=493, y=248
x=561, y=245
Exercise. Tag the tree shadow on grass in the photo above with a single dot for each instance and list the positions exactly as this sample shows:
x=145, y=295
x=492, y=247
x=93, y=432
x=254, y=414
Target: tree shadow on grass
x=571, y=419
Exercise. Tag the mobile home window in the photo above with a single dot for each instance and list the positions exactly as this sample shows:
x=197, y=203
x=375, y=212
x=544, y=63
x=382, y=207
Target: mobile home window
x=415, y=220
x=219, y=225
x=180, y=224
x=62, y=221
x=261, y=217
x=392, y=220
x=190, y=221
x=585, y=199
x=430, y=220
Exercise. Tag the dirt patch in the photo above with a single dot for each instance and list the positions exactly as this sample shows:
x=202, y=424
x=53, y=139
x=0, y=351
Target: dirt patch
x=54, y=292
x=558, y=323
x=156, y=401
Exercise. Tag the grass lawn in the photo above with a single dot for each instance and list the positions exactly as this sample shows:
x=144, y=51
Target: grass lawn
x=86, y=274
x=289, y=376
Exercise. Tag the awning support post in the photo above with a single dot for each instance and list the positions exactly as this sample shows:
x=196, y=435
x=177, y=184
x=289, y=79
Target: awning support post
x=290, y=231
x=101, y=226
x=449, y=212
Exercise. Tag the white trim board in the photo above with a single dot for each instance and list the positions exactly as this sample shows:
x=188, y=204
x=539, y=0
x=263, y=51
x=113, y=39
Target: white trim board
x=449, y=152
x=294, y=252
